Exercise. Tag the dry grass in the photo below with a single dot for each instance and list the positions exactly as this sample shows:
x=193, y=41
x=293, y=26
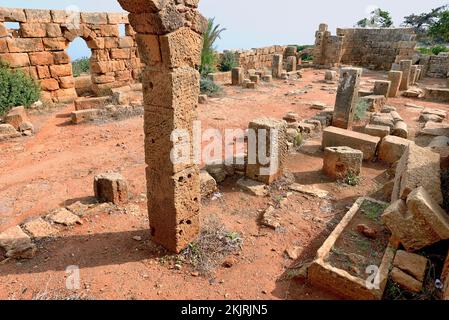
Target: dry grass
x=213, y=245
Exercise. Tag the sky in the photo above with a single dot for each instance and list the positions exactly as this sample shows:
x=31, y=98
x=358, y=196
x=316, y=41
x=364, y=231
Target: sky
x=258, y=23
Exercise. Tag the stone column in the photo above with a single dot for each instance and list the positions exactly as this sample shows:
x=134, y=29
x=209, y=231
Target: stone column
x=395, y=77
x=291, y=63
x=169, y=37
x=237, y=76
x=413, y=74
x=277, y=65
x=267, y=149
x=347, y=96
x=406, y=66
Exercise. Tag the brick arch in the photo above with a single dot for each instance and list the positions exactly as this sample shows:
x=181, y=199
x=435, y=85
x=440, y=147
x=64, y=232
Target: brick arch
x=169, y=36
x=39, y=49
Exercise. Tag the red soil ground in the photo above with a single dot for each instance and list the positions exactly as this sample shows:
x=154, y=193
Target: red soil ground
x=56, y=167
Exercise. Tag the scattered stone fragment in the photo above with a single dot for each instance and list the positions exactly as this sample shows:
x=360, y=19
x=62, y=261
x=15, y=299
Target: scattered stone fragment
x=293, y=252
x=78, y=208
x=39, y=228
x=17, y=243
x=400, y=130
x=253, y=187
x=405, y=281
x=377, y=130
x=392, y=148
x=208, y=185
x=340, y=162
x=309, y=190
x=411, y=263
x=17, y=116
x=382, y=88
x=291, y=117
x=270, y=219
x=64, y=217
x=375, y=102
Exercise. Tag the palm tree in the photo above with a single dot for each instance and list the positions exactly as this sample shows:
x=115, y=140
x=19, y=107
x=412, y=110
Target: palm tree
x=208, y=61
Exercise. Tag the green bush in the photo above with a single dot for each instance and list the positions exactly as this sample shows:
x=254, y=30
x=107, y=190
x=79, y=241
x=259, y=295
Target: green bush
x=361, y=108
x=81, y=66
x=208, y=55
x=435, y=50
x=209, y=87
x=227, y=62
x=16, y=89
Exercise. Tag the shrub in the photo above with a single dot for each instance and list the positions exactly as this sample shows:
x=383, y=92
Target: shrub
x=208, y=56
x=209, y=87
x=352, y=179
x=360, y=111
x=81, y=66
x=227, y=62
x=435, y=50
x=16, y=89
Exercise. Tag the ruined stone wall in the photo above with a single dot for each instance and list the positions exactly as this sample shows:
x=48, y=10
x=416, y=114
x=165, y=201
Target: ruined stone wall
x=258, y=58
x=434, y=66
x=373, y=48
x=39, y=49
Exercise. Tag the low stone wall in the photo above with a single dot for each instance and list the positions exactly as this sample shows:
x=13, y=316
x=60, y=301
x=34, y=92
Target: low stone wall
x=434, y=66
x=39, y=46
x=258, y=58
x=372, y=48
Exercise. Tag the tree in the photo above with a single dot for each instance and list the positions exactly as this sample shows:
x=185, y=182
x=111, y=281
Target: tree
x=379, y=19
x=439, y=31
x=208, y=57
x=421, y=23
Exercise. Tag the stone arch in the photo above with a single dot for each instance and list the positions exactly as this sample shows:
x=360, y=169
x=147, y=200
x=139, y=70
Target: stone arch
x=169, y=36
x=39, y=48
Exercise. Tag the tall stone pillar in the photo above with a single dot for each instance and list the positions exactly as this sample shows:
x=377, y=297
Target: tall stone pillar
x=406, y=66
x=347, y=96
x=277, y=65
x=395, y=77
x=169, y=37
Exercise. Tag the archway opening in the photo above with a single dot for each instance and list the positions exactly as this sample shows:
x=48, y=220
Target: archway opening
x=80, y=56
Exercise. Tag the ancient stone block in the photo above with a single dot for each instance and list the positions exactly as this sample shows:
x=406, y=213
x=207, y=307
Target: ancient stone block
x=49, y=84
x=400, y=130
x=377, y=130
x=406, y=281
x=94, y=18
x=15, y=60
x=111, y=187
x=208, y=184
x=149, y=49
x=181, y=48
x=267, y=150
x=337, y=137
x=84, y=115
x=406, y=66
x=61, y=70
x=39, y=228
x=33, y=30
x=61, y=57
x=291, y=63
x=43, y=72
x=237, y=76
x=382, y=88
x=392, y=148
x=34, y=15
x=85, y=103
x=418, y=167
x=331, y=75
x=411, y=263
x=347, y=95
x=165, y=21
x=121, y=53
x=417, y=223
x=395, y=77
x=25, y=44
x=17, y=243
x=64, y=217
x=12, y=15
x=16, y=116
x=340, y=162
x=374, y=102
x=43, y=58
x=117, y=18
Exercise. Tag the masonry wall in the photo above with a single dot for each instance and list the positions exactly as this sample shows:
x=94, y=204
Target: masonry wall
x=434, y=66
x=39, y=46
x=258, y=58
x=372, y=48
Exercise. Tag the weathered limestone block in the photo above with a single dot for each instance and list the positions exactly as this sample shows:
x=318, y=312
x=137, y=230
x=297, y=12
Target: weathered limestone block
x=277, y=65
x=85, y=103
x=347, y=95
x=7, y=131
x=94, y=18
x=382, y=88
x=53, y=30
x=61, y=57
x=291, y=63
x=43, y=58
x=61, y=70
x=377, y=130
x=33, y=30
x=208, y=184
x=406, y=281
x=12, y=15
x=375, y=102
x=17, y=243
x=406, y=66
x=16, y=116
x=49, y=84
x=331, y=75
x=84, y=115
x=413, y=74
x=382, y=119
x=39, y=228
x=339, y=162
x=400, y=130
x=395, y=77
x=255, y=79
x=35, y=15
x=15, y=60
x=417, y=223
x=64, y=217
x=111, y=187
x=411, y=263
x=167, y=20
x=267, y=149
x=337, y=137
x=392, y=148
x=237, y=76
x=181, y=48
x=20, y=45
x=418, y=167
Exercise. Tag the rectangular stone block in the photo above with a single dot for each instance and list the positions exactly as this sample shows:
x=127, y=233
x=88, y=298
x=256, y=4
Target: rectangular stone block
x=277, y=65
x=382, y=88
x=417, y=222
x=61, y=70
x=80, y=116
x=340, y=162
x=111, y=187
x=15, y=60
x=267, y=149
x=347, y=95
x=181, y=48
x=40, y=16
x=395, y=77
x=337, y=137
x=418, y=167
x=117, y=18
x=237, y=76
x=33, y=30
x=12, y=15
x=85, y=103
x=375, y=102
x=43, y=58
x=392, y=148
x=54, y=44
x=406, y=66
x=25, y=44
x=377, y=130
x=94, y=18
